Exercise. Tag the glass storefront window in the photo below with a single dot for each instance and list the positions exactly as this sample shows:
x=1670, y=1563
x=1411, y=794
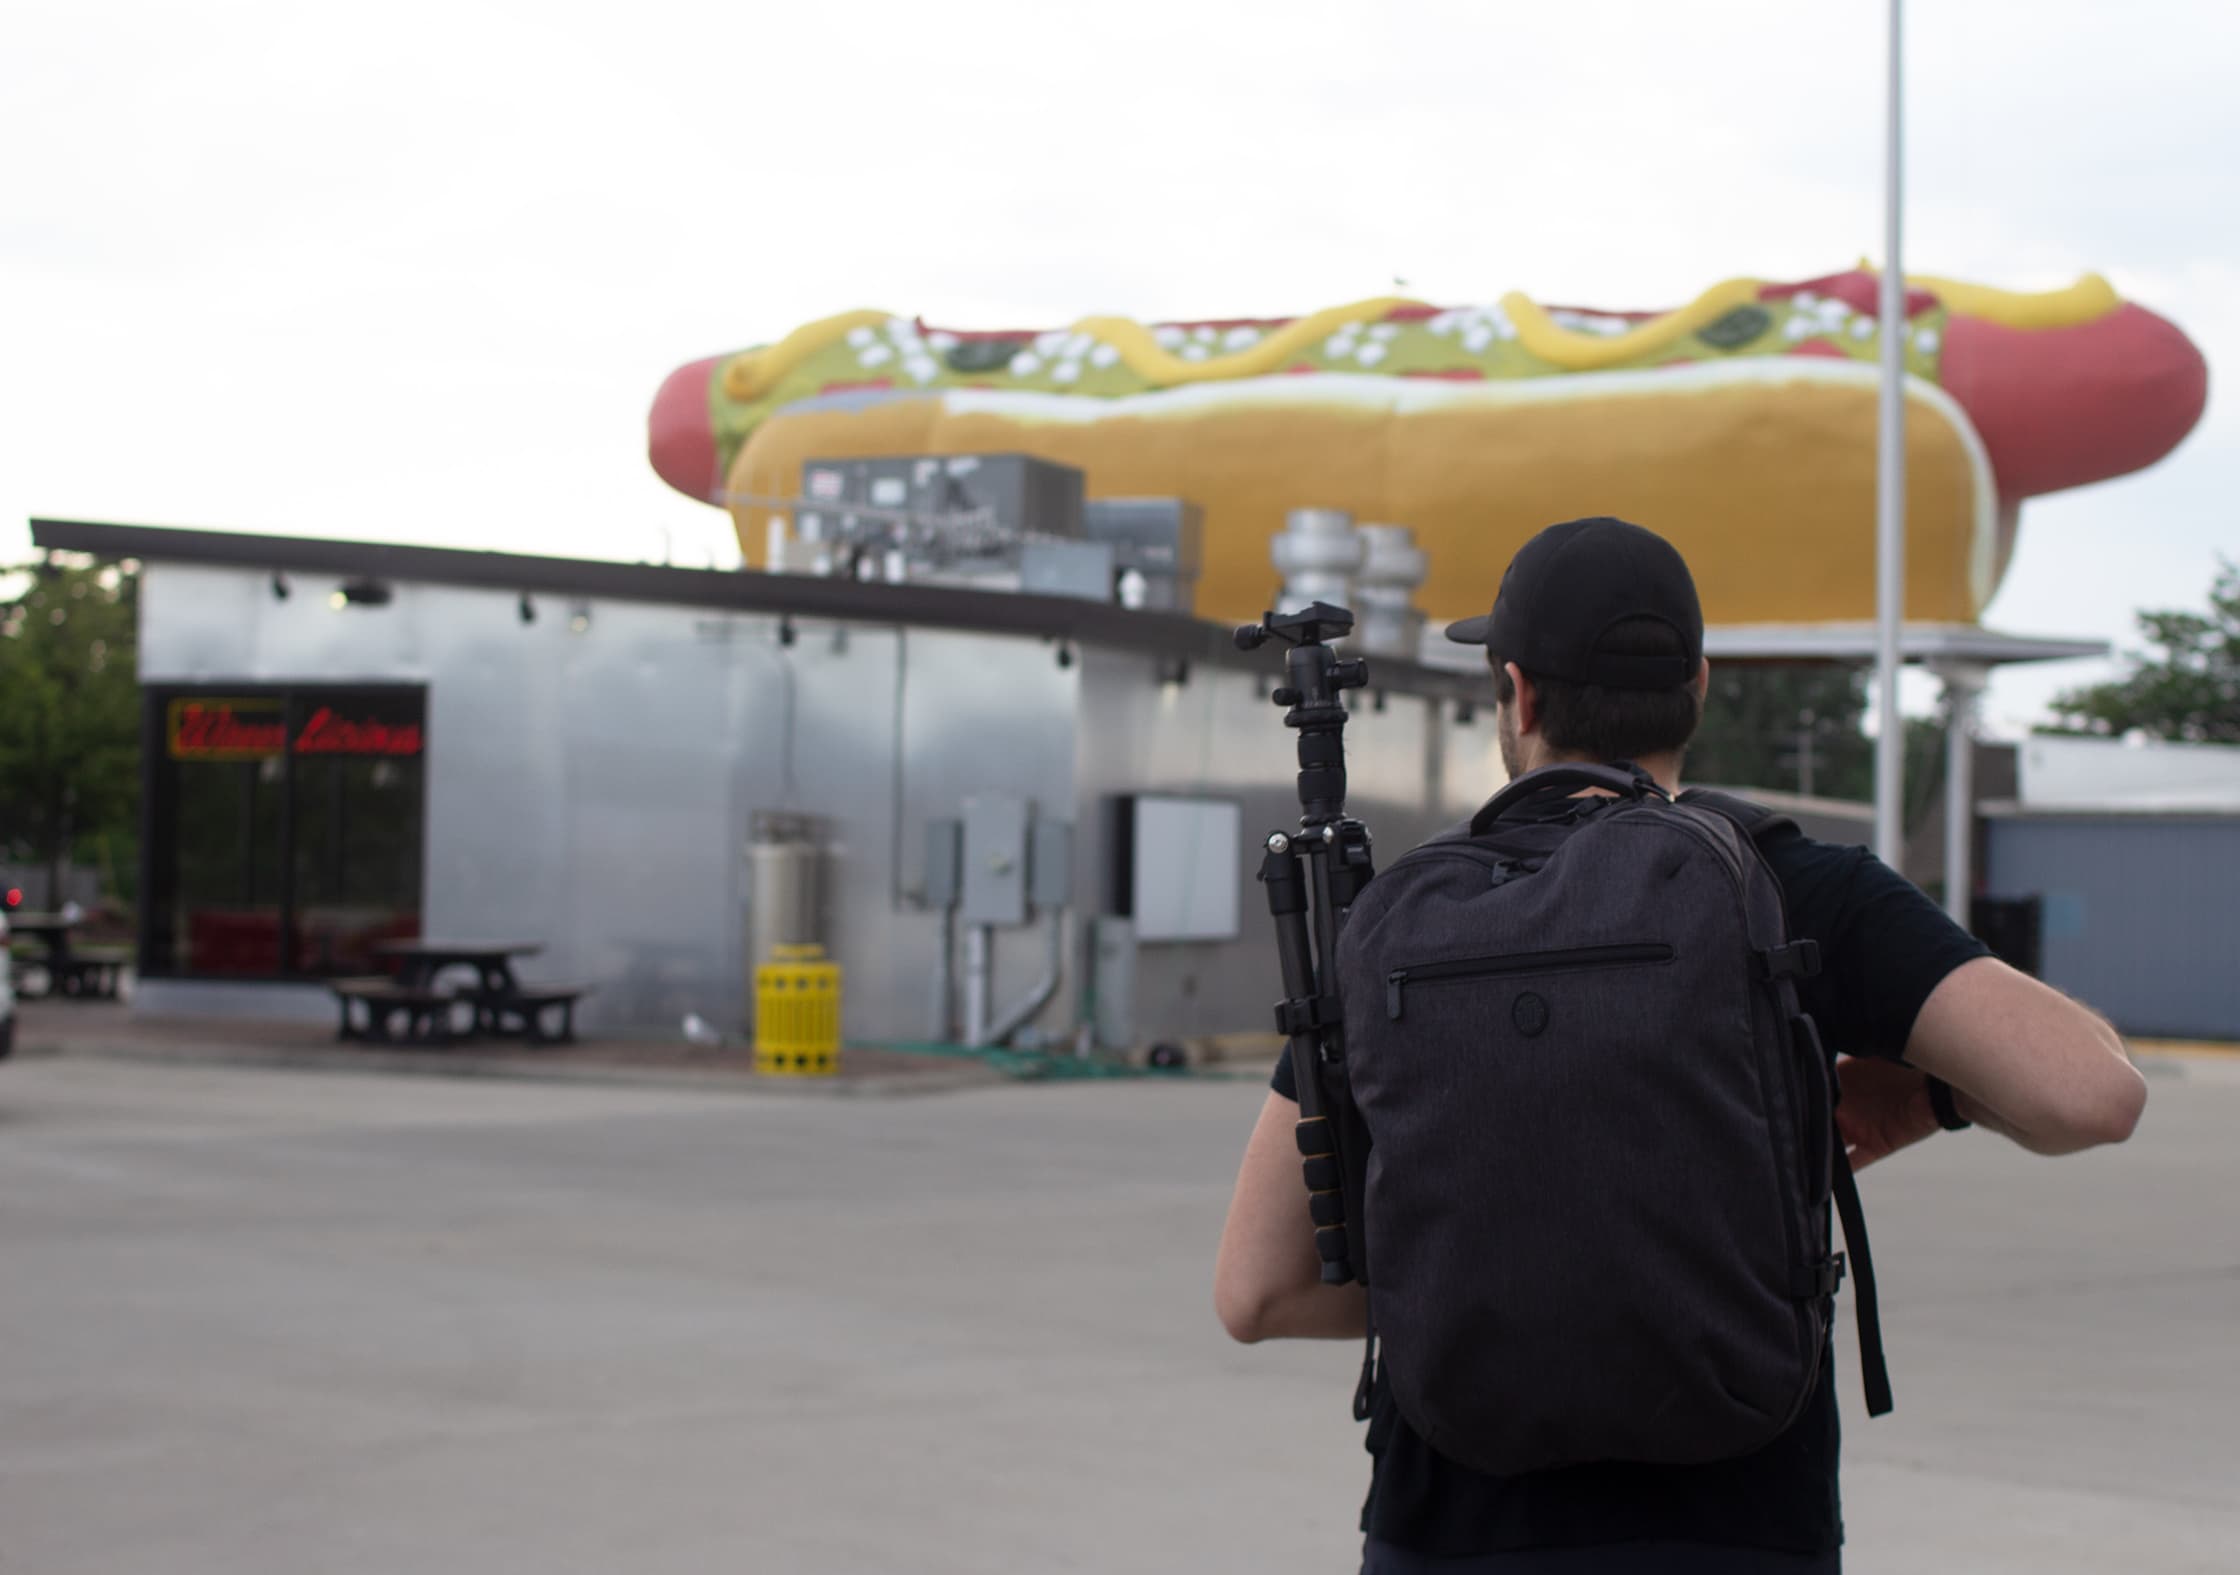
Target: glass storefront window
x=285, y=829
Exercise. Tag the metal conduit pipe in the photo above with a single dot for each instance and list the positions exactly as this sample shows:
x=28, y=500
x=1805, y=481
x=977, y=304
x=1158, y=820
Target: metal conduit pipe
x=944, y=1004
x=979, y=969
x=1053, y=971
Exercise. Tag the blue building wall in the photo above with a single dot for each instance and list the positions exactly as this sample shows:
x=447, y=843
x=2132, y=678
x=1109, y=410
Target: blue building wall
x=2141, y=913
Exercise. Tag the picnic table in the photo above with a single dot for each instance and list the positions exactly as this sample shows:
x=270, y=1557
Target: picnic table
x=80, y=973
x=421, y=961
x=498, y=1005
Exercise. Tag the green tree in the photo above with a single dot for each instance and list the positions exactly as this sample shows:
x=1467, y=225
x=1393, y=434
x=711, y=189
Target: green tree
x=1796, y=727
x=1793, y=726
x=2187, y=689
x=70, y=716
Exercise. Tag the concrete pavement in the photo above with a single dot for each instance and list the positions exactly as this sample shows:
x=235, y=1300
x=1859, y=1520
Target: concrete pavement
x=270, y=1320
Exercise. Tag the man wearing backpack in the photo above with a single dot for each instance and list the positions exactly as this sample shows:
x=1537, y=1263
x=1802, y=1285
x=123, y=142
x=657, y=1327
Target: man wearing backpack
x=1592, y=1034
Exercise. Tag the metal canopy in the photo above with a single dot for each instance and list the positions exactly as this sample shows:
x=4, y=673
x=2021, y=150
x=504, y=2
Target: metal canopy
x=1917, y=642
x=1934, y=644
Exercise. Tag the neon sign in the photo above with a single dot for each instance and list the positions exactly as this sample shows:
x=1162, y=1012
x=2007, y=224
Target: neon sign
x=258, y=730
x=329, y=734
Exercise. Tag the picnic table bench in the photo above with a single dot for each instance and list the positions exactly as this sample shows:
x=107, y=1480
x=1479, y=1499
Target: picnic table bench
x=539, y=1013
x=372, y=1006
x=77, y=972
x=91, y=972
x=497, y=1003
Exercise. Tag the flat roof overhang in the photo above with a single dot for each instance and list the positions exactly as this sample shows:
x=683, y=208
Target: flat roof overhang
x=1173, y=636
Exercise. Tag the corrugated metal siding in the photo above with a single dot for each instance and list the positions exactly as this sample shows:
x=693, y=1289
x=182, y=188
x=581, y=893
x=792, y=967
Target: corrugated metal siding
x=2142, y=915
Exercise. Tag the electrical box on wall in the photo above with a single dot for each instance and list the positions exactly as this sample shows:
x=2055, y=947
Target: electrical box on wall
x=1178, y=866
x=995, y=858
x=1050, y=866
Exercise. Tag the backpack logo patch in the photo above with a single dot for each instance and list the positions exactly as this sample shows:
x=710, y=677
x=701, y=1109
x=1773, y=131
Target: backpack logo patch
x=1530, y=1013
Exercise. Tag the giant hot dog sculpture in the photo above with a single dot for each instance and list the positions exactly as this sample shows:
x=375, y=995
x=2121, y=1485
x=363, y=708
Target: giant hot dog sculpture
x=1741, y=425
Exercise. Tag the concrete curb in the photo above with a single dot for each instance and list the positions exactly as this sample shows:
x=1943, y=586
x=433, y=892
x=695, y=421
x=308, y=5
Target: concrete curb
x=518, y=1069
x=2185, y=1047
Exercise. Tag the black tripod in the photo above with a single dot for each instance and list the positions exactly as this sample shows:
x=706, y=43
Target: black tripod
x=1318, y=871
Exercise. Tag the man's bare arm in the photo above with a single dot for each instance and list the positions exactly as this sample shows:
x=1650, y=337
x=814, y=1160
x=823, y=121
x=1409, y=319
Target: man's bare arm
x=2026, y=1061
x=1267, y=1282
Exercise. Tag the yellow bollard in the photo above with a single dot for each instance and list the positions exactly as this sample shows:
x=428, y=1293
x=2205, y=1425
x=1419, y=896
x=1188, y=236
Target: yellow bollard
x=797, y=1014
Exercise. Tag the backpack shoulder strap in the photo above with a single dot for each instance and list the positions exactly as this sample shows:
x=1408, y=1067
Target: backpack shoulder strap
x=1754, y=821
x=1757, y=822
x=1622, y=777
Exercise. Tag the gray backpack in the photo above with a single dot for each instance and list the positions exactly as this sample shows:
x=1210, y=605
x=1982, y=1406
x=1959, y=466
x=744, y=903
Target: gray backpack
x=1602, y=1150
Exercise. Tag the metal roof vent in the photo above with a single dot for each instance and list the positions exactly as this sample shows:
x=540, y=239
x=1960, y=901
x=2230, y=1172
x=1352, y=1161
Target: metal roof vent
x=1317, y=553
x=1386, y=619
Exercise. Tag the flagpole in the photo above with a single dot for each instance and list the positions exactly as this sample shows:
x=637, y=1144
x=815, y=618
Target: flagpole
x=1890, y=480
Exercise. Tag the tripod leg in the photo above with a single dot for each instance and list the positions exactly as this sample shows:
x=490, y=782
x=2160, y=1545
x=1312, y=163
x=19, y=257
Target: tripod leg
x=1304, y=1015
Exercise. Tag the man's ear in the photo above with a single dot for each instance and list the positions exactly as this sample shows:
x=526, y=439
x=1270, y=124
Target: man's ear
x=1528, y=698
x=1701, y=683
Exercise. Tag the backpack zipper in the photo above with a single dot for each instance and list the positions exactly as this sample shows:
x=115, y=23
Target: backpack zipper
x=1629, y=954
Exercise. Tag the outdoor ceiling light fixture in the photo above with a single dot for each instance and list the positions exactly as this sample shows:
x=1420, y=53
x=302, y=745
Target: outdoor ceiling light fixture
x=361, y=593
x=527, y=609
x=579, y=618
x=279, y=586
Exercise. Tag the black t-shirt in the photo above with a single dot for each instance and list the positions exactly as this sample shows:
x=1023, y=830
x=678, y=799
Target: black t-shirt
x=1883, y=946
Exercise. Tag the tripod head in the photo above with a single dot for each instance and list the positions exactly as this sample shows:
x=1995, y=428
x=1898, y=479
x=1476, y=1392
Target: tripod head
x=1317, y=676
x=1317, y=673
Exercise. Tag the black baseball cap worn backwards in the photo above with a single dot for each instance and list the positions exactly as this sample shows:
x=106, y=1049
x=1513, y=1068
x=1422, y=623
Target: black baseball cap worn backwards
x=1568, y=586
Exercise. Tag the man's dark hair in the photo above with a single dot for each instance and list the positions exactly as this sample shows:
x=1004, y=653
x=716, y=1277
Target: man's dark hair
x=1612, y=724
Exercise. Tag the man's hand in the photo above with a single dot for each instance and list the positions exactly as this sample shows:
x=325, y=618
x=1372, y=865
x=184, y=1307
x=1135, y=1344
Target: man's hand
x=1885, y=1106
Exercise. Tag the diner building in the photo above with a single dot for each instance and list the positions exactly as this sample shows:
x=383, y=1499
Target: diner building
x=998, y=810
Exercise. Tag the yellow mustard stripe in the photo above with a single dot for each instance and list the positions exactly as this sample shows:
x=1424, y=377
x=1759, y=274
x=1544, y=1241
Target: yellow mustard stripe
x=753, y=373
x=1579, y=352
x=2091, y=297
x=1162, y=368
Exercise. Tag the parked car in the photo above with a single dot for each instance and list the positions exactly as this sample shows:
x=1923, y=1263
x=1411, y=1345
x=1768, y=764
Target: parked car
x=8, y=899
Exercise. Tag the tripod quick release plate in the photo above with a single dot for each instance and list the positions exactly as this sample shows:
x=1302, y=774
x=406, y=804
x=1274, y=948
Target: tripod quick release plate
x=1315, y=624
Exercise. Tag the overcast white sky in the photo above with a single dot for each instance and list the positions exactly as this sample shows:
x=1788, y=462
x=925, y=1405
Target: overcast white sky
x=413, y=271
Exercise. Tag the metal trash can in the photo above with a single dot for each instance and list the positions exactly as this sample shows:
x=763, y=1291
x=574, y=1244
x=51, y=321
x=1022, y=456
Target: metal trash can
x=797, y=1014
